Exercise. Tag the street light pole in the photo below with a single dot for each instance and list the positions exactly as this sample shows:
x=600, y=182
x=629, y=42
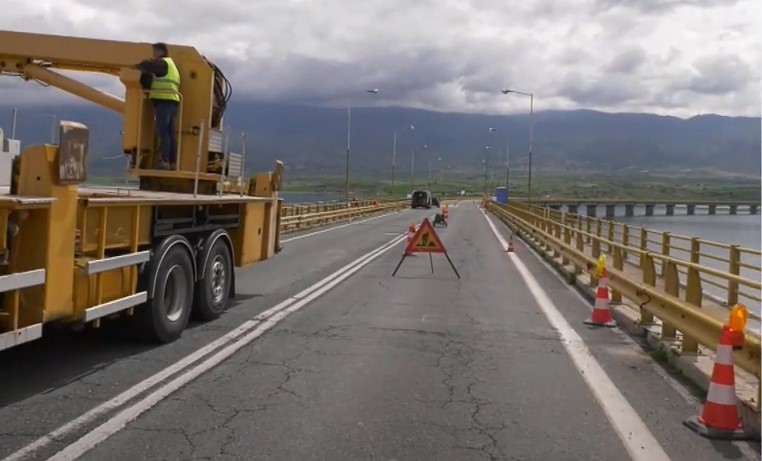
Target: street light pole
x=346, y=161
x=394, y=160
x=531, y=136
x=507, y=168
x=486, y=169
x=349, y=138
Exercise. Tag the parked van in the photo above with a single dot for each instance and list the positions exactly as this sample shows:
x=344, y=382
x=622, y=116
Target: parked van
x=421, y=199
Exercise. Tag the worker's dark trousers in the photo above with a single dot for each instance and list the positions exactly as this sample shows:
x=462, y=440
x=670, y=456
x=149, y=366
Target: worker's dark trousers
x=166, y=112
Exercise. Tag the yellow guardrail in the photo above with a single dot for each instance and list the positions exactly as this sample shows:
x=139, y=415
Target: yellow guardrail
x=579, y=240
x=721, y=259
x=300, y=217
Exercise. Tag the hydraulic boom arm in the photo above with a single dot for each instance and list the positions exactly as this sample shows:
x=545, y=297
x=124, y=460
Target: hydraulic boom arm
x=205, y=90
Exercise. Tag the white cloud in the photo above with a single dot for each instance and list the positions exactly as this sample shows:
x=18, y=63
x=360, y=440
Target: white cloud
x=664, y=56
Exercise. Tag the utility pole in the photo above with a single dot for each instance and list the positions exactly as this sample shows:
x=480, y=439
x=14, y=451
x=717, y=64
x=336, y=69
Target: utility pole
x=349, y=137
x=394, y=160
x=346, y=161
x=486, y=169
x=507, y=168
x=531, y=135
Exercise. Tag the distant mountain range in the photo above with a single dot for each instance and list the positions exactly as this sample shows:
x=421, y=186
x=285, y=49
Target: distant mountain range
x=312, y=140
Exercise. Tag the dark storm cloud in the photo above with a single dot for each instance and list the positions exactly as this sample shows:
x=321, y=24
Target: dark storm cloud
x=452, y=55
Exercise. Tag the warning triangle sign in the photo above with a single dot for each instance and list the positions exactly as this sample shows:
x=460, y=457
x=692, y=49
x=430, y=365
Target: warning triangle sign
x=425, y=240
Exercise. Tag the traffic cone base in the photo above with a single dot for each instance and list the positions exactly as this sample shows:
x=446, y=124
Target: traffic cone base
x=698, y=425
x=607, y=323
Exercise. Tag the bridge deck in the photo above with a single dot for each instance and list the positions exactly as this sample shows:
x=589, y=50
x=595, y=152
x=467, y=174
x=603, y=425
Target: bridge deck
x=420, y=366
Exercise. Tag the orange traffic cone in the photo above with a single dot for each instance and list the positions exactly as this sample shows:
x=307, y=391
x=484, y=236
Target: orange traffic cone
x=601, y=311
x=510, y=245
x=720, y=420
x=410, y=235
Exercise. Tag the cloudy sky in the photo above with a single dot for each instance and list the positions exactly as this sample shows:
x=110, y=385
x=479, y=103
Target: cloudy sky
x=678, y=57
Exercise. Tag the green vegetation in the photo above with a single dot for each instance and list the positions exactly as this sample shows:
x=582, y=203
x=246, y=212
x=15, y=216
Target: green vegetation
x=710, y=187
x=559, y=186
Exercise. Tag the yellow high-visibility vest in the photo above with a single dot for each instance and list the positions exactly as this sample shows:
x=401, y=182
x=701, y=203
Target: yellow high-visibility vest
x=167, y=88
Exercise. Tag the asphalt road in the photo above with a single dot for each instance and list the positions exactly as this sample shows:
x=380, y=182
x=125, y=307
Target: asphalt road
x=48, y=383
x=417, y=367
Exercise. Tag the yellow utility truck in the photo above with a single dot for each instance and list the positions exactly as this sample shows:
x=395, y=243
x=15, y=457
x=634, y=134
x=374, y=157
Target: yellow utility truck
x=155, y=254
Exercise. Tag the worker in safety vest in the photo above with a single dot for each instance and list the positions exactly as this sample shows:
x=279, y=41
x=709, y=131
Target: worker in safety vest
x=161, y=77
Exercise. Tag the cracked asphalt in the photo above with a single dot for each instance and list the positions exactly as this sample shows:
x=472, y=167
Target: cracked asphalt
x=47, y=383
x=417, y=367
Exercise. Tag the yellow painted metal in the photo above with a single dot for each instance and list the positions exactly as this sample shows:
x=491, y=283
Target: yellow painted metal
x=697, y=325
x=114, y=285
x=686, y=249
x=302, y=217
x=119, y=230
x=247, y=239
x=34, y=71
x=200, y=119
x=117, y=58
x=47, y=237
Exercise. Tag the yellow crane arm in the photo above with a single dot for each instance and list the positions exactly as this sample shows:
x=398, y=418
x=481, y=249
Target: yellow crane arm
x=204, y=89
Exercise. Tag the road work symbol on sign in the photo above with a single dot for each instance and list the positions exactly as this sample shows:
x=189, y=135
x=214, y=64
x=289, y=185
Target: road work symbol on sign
x=425, y=240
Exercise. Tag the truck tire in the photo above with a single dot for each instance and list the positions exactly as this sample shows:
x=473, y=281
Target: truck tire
x=170, y=287
x=213, y=288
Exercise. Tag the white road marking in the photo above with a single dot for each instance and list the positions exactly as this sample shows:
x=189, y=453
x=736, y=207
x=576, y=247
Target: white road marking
x=120, y=420
x=333, y=228
x=632, y=431
x=680, y=389
x=163, y=375
x=673, y=383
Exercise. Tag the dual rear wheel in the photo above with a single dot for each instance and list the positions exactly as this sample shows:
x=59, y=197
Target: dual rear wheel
x=176, y=292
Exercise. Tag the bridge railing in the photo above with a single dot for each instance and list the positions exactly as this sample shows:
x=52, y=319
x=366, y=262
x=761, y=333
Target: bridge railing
x=729, y=259
x=644, y=275
x=300, y=217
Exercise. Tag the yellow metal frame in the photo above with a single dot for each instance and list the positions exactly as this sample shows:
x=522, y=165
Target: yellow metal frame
x=697, y=325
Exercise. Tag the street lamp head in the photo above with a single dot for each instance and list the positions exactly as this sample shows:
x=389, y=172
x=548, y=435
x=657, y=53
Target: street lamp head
x=411, y=127
x=506, y=91
x=493, y=129
x=373, y=91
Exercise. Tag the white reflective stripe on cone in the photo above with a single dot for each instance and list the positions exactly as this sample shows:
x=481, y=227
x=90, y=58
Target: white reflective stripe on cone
x=721, y=394
x=601, y=303
x=724, y=355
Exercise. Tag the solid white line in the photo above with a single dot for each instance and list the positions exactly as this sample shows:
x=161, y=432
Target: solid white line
x=189, y=360
x=333, y=228
x=658, y=369
x=632, y=431
x=119, y=421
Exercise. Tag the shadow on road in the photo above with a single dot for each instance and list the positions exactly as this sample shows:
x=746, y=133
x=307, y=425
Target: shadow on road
x=63, y=356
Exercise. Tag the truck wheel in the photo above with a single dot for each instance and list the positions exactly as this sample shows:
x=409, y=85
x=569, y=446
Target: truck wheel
x=213, y=290
x=164, y=317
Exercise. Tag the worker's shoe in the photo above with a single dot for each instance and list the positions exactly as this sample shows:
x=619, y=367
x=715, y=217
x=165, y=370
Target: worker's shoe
x=162, y=165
